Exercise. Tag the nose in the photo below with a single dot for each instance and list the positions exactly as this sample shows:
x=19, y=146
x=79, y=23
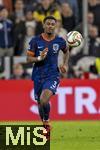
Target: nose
x=50, y=26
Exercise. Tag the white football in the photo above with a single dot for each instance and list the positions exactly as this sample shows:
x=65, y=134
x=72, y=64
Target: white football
x=74, y=38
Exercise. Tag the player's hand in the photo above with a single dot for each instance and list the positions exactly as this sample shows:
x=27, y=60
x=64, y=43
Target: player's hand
x=43, y=54
x=63, y=68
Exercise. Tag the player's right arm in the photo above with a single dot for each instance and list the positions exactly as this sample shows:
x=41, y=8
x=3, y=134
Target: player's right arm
x=31, y=53
x=32, y=59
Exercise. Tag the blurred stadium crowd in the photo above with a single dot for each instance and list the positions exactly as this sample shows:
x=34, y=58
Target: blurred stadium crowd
x=20, y=20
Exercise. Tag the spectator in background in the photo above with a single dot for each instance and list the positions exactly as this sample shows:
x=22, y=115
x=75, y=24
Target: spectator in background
x=54, y=4
x=19, y=10
x=29, y=21
x=83, y=72
x=97, y=64
x=45, y=8
x=30, y=25
x=93, y=72
x=74, y=6
x=19, y=27
x=68, y=19
x=6, y=33
x=94, y=42
x=30, y=32
x=7, y=4
x=76, y=72
x=94, y=7
x=31, y=3
x=60, y=31
x=19, y=72
x=90, y=19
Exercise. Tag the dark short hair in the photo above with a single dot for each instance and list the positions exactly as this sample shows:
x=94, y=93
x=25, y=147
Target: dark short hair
x=49, y=17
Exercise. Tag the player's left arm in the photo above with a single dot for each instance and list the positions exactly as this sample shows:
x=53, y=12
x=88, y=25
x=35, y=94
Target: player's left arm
x=64, y=66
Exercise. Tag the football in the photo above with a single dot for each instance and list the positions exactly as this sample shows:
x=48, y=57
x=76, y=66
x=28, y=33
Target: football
x=74, y=39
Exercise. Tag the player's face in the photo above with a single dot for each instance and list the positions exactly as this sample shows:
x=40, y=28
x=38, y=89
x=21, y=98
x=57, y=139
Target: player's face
x=49, y=26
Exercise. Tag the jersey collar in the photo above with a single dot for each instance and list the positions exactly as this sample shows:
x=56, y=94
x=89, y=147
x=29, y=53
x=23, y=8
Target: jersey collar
x=45, y=38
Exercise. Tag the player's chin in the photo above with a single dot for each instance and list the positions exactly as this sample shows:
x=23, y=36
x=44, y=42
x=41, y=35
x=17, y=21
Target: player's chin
x=50, y=32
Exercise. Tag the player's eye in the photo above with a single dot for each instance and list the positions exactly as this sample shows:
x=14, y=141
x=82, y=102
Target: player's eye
x=53, y=24
x=48, y=23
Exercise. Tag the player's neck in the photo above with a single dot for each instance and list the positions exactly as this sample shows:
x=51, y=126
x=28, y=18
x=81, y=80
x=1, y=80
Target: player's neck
x=48, y=37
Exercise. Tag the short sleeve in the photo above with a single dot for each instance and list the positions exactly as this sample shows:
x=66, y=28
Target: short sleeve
x=32, y=48
x=64, y=46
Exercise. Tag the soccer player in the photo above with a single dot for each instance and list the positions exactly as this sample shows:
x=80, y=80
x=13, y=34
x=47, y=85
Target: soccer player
x=43, y=51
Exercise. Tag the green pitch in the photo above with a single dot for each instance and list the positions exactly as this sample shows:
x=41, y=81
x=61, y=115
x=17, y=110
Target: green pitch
x=84, y=135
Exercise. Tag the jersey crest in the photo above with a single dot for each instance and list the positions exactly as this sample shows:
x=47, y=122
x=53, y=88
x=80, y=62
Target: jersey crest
x=55, y=48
